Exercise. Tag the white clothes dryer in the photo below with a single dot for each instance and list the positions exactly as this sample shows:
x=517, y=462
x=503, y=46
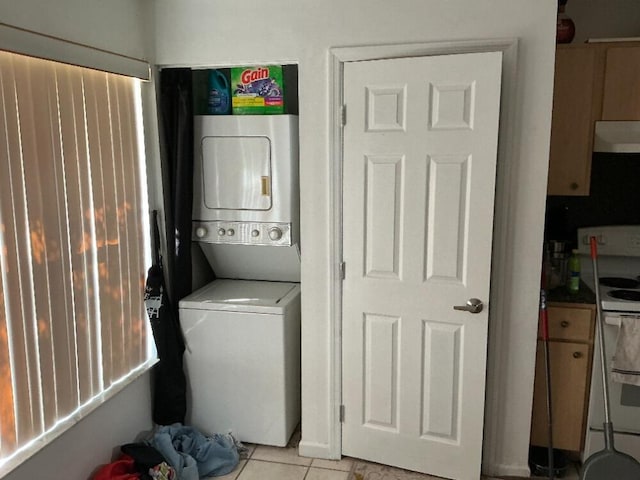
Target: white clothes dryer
x=243, y=359
x=246, y=209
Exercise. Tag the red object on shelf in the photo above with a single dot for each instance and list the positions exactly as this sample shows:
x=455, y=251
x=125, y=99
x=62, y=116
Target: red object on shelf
x=565, y=31
x=565, y=28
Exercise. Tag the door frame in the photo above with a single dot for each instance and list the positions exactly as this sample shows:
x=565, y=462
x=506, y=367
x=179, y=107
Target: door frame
x=504, y=219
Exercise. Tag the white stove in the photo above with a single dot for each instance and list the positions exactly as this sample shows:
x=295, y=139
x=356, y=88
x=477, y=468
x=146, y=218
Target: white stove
x=618, y=265
x=619, y=292
x=619, y=284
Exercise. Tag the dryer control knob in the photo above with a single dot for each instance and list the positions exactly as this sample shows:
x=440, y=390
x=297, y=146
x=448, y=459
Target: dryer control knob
x=221, y=231
x=275, y=233
x=231, y=232
x=255, y=233
x=201, y=232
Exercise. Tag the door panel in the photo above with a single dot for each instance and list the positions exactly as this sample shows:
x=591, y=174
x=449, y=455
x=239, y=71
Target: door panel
x=419, y=175
x=440, y=382
x=384, y=211
x=381, y=371
x=446, y=217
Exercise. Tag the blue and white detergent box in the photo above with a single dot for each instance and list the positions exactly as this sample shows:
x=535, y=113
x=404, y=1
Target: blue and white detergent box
x=257, y=90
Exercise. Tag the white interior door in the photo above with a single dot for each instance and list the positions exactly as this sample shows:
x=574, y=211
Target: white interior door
x=420, y=145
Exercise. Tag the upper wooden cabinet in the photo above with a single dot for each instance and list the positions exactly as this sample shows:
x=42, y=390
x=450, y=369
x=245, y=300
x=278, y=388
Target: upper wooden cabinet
x=598, y=81
x=622, y=84
x=577, y=100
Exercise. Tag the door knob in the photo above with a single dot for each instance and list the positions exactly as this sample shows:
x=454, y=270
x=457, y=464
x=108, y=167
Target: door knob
x=473, y=305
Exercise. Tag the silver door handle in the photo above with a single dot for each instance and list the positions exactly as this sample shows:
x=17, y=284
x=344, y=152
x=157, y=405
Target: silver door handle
x=473, y=305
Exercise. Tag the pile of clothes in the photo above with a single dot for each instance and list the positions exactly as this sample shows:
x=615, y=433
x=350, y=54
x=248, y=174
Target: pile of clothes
x=175, y=452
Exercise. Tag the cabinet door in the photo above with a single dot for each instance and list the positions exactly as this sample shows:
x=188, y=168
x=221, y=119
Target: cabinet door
x=572, y=324
x=577, y=98
x=622, y=84
x=569, y=384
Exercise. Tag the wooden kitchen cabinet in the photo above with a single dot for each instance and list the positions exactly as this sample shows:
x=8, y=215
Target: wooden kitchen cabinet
x=571, y=333
x=577, y=101
x=621, y=100
x=593, y=81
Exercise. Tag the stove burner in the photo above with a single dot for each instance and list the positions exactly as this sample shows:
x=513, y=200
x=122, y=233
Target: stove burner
x=631, y=295
x=619, y=282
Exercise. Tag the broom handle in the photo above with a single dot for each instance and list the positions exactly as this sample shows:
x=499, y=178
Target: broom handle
x=544, y=320
x=608, y=429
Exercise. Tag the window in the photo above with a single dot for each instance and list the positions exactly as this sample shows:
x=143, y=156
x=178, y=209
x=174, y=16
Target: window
x=73, y=246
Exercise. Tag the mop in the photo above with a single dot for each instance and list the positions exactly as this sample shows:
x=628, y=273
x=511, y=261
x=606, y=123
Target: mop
x=544, y=319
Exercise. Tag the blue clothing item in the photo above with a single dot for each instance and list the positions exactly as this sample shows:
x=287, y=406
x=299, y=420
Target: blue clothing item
x=193, y=455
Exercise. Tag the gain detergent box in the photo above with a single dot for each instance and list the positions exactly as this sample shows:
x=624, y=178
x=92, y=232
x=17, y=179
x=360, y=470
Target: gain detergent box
x=257, y=90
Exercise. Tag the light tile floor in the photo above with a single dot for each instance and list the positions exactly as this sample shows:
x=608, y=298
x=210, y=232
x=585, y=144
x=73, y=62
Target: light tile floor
x=273, y=463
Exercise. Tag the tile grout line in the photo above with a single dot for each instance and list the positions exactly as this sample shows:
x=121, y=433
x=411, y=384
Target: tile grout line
x=245, y=463
x=242, y=469
x=308, y=467
x=306, y=473
x=286, y=463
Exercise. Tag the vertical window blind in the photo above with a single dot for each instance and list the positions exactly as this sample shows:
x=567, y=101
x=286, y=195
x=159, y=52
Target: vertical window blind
x=73, y=245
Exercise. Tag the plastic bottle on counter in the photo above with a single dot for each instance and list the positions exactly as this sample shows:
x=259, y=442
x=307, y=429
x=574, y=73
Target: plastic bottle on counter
x=573, y=283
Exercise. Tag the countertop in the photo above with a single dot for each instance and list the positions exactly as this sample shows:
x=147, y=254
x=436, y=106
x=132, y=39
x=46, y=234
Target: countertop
x=561, y=294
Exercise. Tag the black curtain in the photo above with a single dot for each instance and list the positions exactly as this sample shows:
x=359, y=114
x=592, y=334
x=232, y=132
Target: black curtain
x=176, y=114
x=169, y=399
x=176, y=140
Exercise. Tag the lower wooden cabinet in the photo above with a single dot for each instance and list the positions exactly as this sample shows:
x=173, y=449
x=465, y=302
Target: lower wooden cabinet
x=571, y=351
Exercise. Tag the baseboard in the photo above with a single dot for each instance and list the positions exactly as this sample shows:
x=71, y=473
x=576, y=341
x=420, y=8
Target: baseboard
x=315, y=450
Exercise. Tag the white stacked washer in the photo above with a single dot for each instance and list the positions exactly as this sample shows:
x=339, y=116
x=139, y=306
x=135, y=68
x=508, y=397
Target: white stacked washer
x=243, y=330
x=243, y=358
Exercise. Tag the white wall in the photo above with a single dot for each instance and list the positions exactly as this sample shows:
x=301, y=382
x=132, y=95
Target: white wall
x=224, y=33
x=95, y=440
x=121, y=26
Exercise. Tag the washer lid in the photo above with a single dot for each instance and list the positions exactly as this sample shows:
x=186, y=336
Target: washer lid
x=242, y=295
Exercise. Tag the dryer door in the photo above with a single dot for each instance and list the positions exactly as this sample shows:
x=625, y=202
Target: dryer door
x=236, y=172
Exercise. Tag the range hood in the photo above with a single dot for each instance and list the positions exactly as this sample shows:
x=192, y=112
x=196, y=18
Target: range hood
x=617, y=137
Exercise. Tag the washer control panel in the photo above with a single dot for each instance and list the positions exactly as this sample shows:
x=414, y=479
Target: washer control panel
x=243, y=233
